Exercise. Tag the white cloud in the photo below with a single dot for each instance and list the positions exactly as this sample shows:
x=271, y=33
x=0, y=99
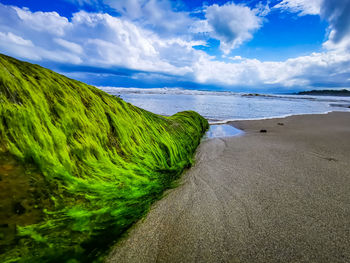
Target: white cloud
x=232, y=24
x=15, y=45
x=112, y=41
x=15, y=40
x=92, y=39
x=101, y=40
x=157, y=15
x=303, y=7
x=43, y=21
x=300, y=71
x=235, y=58
x=162, y=16
x=75, y=48
x=263, y=9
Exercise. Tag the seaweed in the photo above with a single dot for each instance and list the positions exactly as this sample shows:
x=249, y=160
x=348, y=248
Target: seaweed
x=102, y=161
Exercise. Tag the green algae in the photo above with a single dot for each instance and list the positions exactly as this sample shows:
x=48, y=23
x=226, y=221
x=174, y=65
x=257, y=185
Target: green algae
x=102, y=161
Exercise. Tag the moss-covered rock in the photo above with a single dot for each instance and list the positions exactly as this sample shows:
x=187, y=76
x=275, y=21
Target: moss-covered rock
x=79, y=166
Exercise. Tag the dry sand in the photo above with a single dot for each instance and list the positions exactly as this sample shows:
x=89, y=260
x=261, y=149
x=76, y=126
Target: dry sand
x=280, y=196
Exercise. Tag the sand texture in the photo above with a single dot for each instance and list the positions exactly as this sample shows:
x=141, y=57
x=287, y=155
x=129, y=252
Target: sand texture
x=279, y=196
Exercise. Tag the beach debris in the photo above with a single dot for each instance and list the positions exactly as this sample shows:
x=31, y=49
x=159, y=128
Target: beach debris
x=280, y=123
x=263, y=131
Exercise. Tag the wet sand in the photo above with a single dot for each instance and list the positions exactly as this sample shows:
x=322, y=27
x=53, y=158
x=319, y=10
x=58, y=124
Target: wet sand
x=279, y=196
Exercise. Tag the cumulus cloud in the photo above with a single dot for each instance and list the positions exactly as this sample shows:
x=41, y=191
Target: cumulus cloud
x=94, y=39
x=301, y=71
x=43, y=21
x=158, y=15
x=24, y=37
x=232, y=24
x=105, y=42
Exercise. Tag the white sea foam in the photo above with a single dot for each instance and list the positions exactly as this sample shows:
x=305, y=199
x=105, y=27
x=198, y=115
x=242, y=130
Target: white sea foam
x=165, y=90
x=219, y=122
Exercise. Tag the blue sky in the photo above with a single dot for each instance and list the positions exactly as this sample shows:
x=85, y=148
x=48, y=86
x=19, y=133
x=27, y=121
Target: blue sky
x=254, y=45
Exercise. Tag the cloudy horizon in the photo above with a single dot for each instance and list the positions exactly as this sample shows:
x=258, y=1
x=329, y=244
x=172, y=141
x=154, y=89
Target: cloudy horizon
x=278, y=46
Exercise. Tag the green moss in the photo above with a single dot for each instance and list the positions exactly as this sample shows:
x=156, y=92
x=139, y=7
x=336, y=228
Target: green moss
x=102, y=160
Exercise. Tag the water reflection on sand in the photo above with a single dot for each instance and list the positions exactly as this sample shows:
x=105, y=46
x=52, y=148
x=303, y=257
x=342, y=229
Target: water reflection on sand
x=223, y=130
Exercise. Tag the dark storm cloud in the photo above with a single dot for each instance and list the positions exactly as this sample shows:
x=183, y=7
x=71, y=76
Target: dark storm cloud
x=337, y=13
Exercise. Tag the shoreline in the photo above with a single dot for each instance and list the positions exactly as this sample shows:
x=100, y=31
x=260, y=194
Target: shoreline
x=228, y=121
x=279, y=196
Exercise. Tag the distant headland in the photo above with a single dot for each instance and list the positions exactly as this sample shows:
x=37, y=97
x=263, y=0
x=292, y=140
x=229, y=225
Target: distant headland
x=325, y=92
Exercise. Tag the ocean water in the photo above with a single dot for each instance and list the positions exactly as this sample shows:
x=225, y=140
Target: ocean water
x=220, y=107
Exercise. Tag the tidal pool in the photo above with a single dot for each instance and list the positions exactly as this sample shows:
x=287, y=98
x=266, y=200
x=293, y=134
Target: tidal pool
x=222, y=130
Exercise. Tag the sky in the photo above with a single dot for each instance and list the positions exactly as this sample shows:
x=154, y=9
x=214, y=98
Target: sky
x=254, y=45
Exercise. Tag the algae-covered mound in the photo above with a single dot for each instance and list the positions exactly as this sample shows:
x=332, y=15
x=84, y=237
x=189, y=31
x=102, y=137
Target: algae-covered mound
x=78, y=166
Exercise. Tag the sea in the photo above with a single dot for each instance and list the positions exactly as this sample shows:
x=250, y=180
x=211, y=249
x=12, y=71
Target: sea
x=220, y=107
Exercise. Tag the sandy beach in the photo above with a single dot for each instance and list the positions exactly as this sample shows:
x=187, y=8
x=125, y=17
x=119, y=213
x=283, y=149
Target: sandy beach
x=279, y=196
